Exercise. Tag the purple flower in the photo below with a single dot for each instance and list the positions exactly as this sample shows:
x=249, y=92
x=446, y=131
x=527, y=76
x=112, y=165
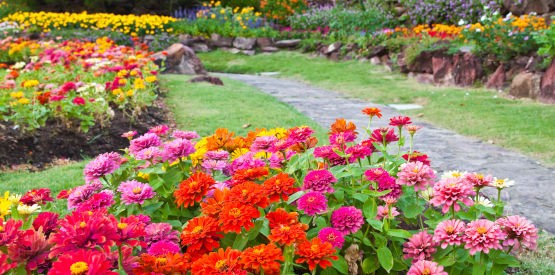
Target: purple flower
x=135, y=192
x=347, y=219
x=320, y=181
x=333, y=236
x=163, y=247
x=156, y=232
x=216, y=155
x=313, y=203
x=82, y=193
x=178, y=148
x=103, y=164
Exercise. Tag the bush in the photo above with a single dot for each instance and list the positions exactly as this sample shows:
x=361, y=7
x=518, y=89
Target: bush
x=447, y=11
x=280, y=9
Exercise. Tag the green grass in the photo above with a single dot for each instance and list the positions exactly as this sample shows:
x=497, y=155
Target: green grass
x=542, y=260
x=56, y=178
x=522, y=125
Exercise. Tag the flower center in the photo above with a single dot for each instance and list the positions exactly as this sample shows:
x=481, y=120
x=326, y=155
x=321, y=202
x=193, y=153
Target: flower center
x=331, y=237
x=314, y=248
x=481, y=230
x=193, y=184
x=79, y=268
x=137, y=190
x=235, y=212
x=197, y=229
x=161, y=261
x=285, y=228
x=450, y=229
x=311, y=199
x=122, y=225
x=221, y=265
x=1, y=228
x=426, y=271
x=82, y=224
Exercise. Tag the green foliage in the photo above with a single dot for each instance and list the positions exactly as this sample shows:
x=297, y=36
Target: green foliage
x=545, y=40
x=239, y=3
x=112, y=6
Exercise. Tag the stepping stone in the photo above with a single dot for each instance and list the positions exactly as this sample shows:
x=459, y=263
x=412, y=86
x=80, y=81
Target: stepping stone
x=404, y=107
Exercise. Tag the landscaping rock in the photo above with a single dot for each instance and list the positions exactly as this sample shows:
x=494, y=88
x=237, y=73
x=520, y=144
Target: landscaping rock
x=269, y=49
x=402, y=63
x=547, y=93
x=526, y=84
x=334, y=56
x=375, y=60
x=233, y=50
x=442, y=69
x=244, y=43
x=264, y=42
x=248, y=52
x=386, y=61
x=200, y=47
x=497, y=79
x=290, y=43
x=528, y=6
x=219, y=41
x=180, y=59
x=422, y=63
x=210, y=79
x=334, y=47
x=467, y=69
x=377, y=51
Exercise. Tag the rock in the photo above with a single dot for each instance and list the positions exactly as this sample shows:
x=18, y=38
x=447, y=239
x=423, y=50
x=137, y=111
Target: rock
x=264, y=42
x=147, y=39
x=442, y=69
x=375, y=60
x=422, y=63
x=248, y=52
x=218, y=41
x=467, y=69
x=334, y=47
x=377, y=51
x=528, y=6
x=200, y=47
x=422, y=77
x=402, y=63
x=547, y=17
x=179, y=59
x=185, y=39
x=234, y=50
x=497, y=79
x=205, y=78
x=290, y=43
x=547, y=93
x=244, y=43
x=525, y=84
x=334, y=56
x=270, y=49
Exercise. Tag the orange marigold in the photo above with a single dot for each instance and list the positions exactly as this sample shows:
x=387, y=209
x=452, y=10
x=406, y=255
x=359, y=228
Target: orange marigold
x=340, y=125
x=263, y=257
x=193, y=189
x=315, y=252
x=213, y=206
x=163, y=264
x=249, y=193
x=372, y=111
x=249, y=174
x=219, y=262
x=235, y=215
x=200, y=235
x=279, y=187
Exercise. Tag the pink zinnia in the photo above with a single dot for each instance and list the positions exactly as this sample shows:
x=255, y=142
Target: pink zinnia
x=347, y=219
x=102, y=165
x=129, y=134
x=156, y=232
x=399, y=121
x=299, y=134
x=9, y=231
x=48, y=221
x=420, y=246
x=135, y=192
x=341, y=138
x=333, y=236
x=185, y=134
x=478, y=180
x=82, y=193
x=263, y=143
x=482, y=235
x=159, y=129
x=163, y=247
x=449, y=191
x=385, y=212
x=313, y=203
x=152, y=154
x=426, y=268
x=320, y=181
x=78, y=101
x=520, y=232
x=449, y=232
x=31, y=248
x=358, y=151
x=214, y=165
x=384, y=135
x=385, y=182
x=328, y=153
x=216, y=155
x=178, y=148
x=143, y=142
x=415, y=174
x=101, y=200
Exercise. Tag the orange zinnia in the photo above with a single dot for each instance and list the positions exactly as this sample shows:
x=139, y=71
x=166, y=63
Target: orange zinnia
x=249, y=193
x=193, y=189
x=235, y=215
x=285, y=228
x=200, y=235
x=263, y=257
x=249, y=174
x=281, y=216
x=315, y=252
x=219, y=262
x=221, y=137
x=163, y=264
x=213, y=206
x=279, y=187
x=372, y=111
x=340, y=125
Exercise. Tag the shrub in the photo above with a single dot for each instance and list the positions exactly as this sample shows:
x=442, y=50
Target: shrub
x=280, y=9
x=434, y=11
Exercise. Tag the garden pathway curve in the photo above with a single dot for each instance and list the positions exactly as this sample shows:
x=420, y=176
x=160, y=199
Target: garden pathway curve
x=533, y=195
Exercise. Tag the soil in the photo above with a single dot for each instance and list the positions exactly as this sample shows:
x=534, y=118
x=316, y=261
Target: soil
x=55, y=141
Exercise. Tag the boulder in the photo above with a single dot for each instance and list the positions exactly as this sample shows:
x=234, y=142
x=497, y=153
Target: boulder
x=205, y=78
x=525, y=84
x=248, y=52
x=200, y=47
x=244, y=43
x=547, y=93
x=422, y=63
x=528, y=6
x=334, y=56
x=219, y=41
x=375, y=60
x=497, y=79
x=402, y=63
x=269, y=49
x=442, y=69
x=333, y=47
x=179, y=59
x=467, y=69
x=264, y=42
x=377, y=51
x=290, y=43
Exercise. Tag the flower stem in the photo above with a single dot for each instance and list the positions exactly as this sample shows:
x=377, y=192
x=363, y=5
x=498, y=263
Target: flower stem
x=288, y=263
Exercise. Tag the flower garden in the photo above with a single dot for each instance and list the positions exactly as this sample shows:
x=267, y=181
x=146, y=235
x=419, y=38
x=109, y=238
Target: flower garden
x=272, y=201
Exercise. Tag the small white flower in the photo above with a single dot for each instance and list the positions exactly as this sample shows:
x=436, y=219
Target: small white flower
x=483, y=18
x=483, y=201
x=24, y=209
x=452, y=174
x=427, y=194
x=19, y=65
x=461, y=22
x=478, y=30
x=502, y=183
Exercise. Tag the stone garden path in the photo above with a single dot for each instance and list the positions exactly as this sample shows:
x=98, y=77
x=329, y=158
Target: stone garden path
x=533, y=195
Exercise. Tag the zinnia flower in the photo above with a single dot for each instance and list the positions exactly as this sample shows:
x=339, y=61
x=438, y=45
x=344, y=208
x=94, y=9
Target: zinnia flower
x=347, y=219
x=82, y=262
x=4, y=265
x=177, y=148
x=9, y=231
x=156, y=232
x=262, y=257
x=79, y=101
x=415, y=174
x=449, y=232
x=316, y=253
x=82, y=193
x=482, y=235
x=420, y=246
x=159, y=129
x=399, y=121
x=358, y=151
x=448, y=192
x=219, y=262
x=520, y=232
x=333, y=236
x=384, y=135
x=299, y=134
x=143, y=142
x=163, y=247
x=193, y=189
x=102, y=165
x=385, y=212
x=249, y=193
x=166, y=264
x=313, y=203
x=426, y=268
x=285, y=228
x=48, y=221
x=385, y=182
x=185, y=134
x=502, y=183
x=236, y=215
x=372, y=111
x=280, y=186
x=478, y=180
x=200, y=235
x=101, y=200
x=320, y=181
x=36, y=196
x=135, y=192
x=31, y=247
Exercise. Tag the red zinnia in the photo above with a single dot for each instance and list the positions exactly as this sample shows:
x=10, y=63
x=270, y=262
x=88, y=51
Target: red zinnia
x=200, y=235
x=79, y=101
x=263, y=257
x=36, y=196
x=213, y=206
x=249, y=174
x=193, y=189
x=279, y=187
x=219, y=262
x=316, y=252
x=31, y=247
x=82, y=262
x=285, y=228
x=235, y=215
x=399, y=121
x=248, y=193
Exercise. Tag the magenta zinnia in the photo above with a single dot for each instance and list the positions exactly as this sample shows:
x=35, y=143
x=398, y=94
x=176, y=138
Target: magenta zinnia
x=320, y=181
x=449, y=232
x=163, y=248
x=313, y=203
x=482, y=235
x=178, y=148
x=426, y=268
x=143, y=142
x=135, y=192
x=415, y=174
x=420, y=246
x=449, y=191
x=102, y=165
x=333, y=236
x=520, y=232
x=347, y=219
x=9, y=231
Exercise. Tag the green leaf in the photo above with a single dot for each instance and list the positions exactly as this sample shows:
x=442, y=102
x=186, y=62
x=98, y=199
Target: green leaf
x=498, y=269
x=241, y=241
x=175, y=223
x=399, y=233
x=360, y=197
x=379, y=240
x=385, y=258
x=253, y=233
x=341, y=265
x=413, y=211
x=339, y=195
x=295, y=197
x=370, y=209
x=500, y=257
x=478, y=269
x=370, y=264
x=378, y=225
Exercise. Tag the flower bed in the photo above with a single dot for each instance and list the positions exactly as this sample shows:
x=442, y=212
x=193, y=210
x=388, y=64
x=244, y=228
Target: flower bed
x=268, y=202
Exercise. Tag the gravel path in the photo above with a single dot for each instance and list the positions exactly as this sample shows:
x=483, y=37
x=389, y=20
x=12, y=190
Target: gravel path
x=533, y=195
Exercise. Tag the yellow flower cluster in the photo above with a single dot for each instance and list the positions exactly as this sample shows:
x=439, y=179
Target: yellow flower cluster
x=527, y=21
x=128, y=24
x=239, y=15
x=6, y=203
